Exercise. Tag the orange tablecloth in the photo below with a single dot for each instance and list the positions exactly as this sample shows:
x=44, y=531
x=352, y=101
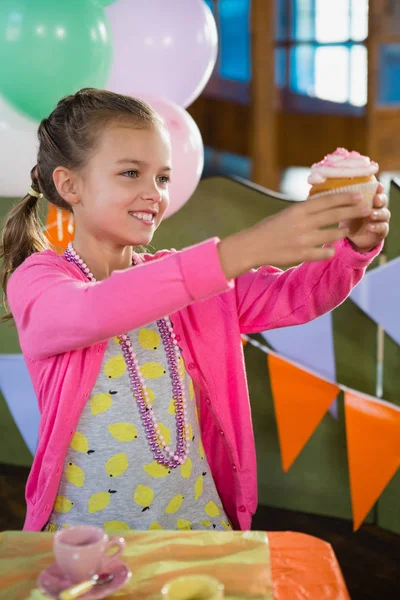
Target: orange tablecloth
x=292, y=566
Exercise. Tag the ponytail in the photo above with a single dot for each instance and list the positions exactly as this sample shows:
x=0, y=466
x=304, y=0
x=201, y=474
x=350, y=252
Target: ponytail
x=21, y=236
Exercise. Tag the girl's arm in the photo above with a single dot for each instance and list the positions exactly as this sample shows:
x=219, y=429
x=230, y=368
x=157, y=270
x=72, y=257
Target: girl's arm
x=57, y=313
x=269, y=298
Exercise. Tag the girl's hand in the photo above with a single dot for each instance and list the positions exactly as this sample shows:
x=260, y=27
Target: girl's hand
x=367, y=233
x=292, y=236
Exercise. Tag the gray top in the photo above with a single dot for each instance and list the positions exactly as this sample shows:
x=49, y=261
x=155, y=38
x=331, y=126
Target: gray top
x=110, y=478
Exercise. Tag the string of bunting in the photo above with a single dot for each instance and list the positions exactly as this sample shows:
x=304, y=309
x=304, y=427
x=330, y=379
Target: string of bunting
x=301, y=400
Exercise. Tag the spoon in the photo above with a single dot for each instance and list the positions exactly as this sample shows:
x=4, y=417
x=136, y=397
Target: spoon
x=81, y=588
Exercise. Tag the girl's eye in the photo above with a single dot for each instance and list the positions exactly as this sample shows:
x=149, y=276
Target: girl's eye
x=132, y=173
x=164, y=179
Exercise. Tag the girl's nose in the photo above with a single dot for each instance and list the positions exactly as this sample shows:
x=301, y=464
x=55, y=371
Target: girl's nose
x=152, y=195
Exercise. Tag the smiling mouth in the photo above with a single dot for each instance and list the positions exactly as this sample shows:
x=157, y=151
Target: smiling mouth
x=144, y=217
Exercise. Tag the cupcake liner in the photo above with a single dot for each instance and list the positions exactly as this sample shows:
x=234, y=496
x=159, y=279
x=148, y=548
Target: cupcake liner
x=368, y=191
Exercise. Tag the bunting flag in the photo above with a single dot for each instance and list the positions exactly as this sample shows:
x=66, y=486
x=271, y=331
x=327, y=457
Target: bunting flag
x=17, y=389
x=59, y=228
x=373, y=448
x=310, y=345
x=301, y=400
x=378, y=295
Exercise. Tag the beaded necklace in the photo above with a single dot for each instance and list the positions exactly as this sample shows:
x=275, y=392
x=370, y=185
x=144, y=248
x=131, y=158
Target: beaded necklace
x=161, y=452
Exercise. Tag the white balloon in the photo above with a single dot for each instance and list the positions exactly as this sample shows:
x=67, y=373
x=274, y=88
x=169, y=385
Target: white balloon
x=18, y=150
x=162, y=48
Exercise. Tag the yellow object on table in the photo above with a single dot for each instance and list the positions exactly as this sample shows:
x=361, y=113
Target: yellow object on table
x=193, y=587
x=239, y=560
x=37, y=595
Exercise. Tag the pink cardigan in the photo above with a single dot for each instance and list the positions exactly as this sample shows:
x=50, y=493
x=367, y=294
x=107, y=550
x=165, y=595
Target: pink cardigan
x=64, y=323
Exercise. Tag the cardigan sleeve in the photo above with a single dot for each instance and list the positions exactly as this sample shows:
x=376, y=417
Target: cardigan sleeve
x=56, y=312
x=268, y=298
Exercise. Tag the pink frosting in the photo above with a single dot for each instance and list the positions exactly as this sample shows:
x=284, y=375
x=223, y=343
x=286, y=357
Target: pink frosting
x=341, y=164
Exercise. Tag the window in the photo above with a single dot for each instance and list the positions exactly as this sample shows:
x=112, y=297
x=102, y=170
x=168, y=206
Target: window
x=233, y=18
x=389, y=74
x=234, y=22
x=320, y=49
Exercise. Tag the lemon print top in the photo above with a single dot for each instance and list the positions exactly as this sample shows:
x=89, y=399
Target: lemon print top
x=110, y=478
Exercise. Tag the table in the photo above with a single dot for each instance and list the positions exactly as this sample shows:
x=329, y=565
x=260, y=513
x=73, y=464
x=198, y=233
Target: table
x=273, y=566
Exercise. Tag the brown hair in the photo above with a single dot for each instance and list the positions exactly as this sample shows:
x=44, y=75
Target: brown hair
x=68, y=138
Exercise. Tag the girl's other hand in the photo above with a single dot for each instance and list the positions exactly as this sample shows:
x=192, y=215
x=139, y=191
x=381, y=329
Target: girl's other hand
x=368, y=232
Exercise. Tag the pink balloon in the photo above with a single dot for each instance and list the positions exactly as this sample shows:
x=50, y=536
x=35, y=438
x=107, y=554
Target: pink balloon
x=164, y=48
x=187, y=151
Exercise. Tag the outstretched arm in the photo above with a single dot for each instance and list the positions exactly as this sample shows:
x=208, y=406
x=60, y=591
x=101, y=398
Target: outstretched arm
x=270, y=298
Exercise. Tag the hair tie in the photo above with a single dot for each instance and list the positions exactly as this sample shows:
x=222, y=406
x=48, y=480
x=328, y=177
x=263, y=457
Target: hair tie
x=34, y=193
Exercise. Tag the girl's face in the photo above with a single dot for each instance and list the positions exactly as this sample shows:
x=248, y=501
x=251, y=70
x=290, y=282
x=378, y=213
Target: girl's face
x=122, y=192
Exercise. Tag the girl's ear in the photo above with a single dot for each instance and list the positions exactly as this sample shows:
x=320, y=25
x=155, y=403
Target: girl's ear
x=64, y=182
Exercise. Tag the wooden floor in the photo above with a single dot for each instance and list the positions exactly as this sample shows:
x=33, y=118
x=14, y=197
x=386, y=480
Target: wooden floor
x=370, y=558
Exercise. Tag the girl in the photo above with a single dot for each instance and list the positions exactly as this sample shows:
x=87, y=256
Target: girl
x=137, y=360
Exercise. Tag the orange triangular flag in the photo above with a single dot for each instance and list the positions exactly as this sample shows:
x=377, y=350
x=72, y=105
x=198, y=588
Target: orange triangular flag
x=60, y=227
x=373, y=447
x=301, y=400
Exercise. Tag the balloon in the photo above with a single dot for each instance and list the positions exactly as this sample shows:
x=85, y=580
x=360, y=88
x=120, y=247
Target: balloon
x=105, y=2
x=165, y=48
x=18, y=148
x=187, y=151
x=51, y=49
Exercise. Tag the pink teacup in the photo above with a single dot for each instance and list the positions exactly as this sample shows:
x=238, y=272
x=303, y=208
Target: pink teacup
x=82, y=550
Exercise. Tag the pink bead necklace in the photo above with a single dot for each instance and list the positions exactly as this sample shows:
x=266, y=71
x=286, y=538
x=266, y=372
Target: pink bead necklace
x=161, y=451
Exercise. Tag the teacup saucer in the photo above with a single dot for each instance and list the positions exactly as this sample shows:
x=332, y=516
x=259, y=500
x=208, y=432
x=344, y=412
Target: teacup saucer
x=52, y=581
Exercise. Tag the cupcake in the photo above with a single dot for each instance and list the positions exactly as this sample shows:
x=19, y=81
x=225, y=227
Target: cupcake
x=344, y=171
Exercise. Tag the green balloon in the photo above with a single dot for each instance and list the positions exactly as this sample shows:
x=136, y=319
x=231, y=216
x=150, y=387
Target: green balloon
x=49, y=49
